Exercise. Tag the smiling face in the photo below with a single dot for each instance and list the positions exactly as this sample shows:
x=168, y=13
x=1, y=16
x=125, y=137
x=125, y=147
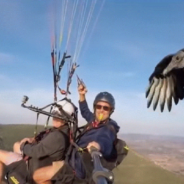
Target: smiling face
x=102, y=111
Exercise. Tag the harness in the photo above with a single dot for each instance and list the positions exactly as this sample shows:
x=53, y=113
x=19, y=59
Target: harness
x=21, y=171
x=86, y=158
x=79, y=133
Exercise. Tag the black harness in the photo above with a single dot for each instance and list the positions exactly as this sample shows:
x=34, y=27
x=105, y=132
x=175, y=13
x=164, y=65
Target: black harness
x=22, y=171
x=85, y=156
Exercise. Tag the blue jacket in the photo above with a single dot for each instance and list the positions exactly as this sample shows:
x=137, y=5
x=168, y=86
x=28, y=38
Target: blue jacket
x=102, y=135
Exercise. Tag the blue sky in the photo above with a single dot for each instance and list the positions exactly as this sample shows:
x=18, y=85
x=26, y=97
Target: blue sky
x=118, y=56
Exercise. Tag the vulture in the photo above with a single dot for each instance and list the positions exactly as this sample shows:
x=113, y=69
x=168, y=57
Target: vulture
x=167, y=82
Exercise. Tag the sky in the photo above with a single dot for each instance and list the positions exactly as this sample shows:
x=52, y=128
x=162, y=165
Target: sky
x=124, y=42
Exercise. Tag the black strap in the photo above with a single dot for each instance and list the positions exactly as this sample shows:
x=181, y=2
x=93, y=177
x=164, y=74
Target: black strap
x=89, y=126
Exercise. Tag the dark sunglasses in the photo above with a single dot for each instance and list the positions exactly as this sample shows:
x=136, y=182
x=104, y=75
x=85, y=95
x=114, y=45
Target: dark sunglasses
x=105, y=108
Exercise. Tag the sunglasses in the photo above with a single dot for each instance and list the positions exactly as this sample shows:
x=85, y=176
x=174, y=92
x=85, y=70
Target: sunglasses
x=105, y=108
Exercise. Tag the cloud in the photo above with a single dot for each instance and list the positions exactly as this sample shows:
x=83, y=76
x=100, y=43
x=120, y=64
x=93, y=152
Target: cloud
x=130, y=113
x=133, y=115
x=11, y=111
x=10, y=105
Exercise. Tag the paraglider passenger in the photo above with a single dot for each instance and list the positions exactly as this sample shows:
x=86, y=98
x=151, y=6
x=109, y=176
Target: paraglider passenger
x=46, y=148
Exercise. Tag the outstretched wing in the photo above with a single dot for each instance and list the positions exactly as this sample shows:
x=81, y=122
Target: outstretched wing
x=162, y=89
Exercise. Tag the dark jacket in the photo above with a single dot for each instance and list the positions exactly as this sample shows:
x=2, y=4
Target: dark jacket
x=52, y=147
x=52, y=144
x=103, y=135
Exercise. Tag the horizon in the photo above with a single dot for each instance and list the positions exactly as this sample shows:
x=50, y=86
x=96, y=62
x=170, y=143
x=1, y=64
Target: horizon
x=119, y=133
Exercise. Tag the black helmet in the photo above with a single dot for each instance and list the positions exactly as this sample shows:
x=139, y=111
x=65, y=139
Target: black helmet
x=105, y=97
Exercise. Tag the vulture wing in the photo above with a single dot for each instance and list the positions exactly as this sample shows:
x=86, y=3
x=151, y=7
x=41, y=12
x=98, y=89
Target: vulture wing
x=163, y=88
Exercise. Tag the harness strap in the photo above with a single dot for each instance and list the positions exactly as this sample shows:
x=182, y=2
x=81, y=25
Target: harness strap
x=79, y=149
x=92, y=125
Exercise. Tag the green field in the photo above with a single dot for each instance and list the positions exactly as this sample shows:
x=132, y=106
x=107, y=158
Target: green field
x=138, y=170
x=134, y=170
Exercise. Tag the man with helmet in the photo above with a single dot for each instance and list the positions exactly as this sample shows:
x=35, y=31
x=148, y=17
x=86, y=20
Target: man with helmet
x=104, y=105
x=45, y=149
x=100, y=132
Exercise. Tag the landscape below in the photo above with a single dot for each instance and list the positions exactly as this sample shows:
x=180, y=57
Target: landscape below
x=151, y=159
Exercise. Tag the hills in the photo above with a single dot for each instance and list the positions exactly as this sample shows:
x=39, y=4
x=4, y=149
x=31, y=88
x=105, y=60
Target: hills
x=165, y=151
x=137, y=168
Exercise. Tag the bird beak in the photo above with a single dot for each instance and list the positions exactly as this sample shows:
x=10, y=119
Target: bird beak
x=169, y=68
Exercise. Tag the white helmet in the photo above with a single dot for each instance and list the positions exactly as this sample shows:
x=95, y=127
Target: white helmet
x=67, y=107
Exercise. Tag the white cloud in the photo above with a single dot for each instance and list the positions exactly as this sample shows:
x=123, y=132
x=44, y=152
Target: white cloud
x=133, y=116
x=10, y=105
x=11, y=111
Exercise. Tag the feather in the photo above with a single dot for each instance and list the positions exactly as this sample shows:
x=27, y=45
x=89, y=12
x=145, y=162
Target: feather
x=163, y=95
x=169, y=93
x=148, y=88
x=152, y=90
x=157, y=93
x=175, y=96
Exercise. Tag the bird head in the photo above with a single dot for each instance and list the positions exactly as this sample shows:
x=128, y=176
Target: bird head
x=177, y=62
